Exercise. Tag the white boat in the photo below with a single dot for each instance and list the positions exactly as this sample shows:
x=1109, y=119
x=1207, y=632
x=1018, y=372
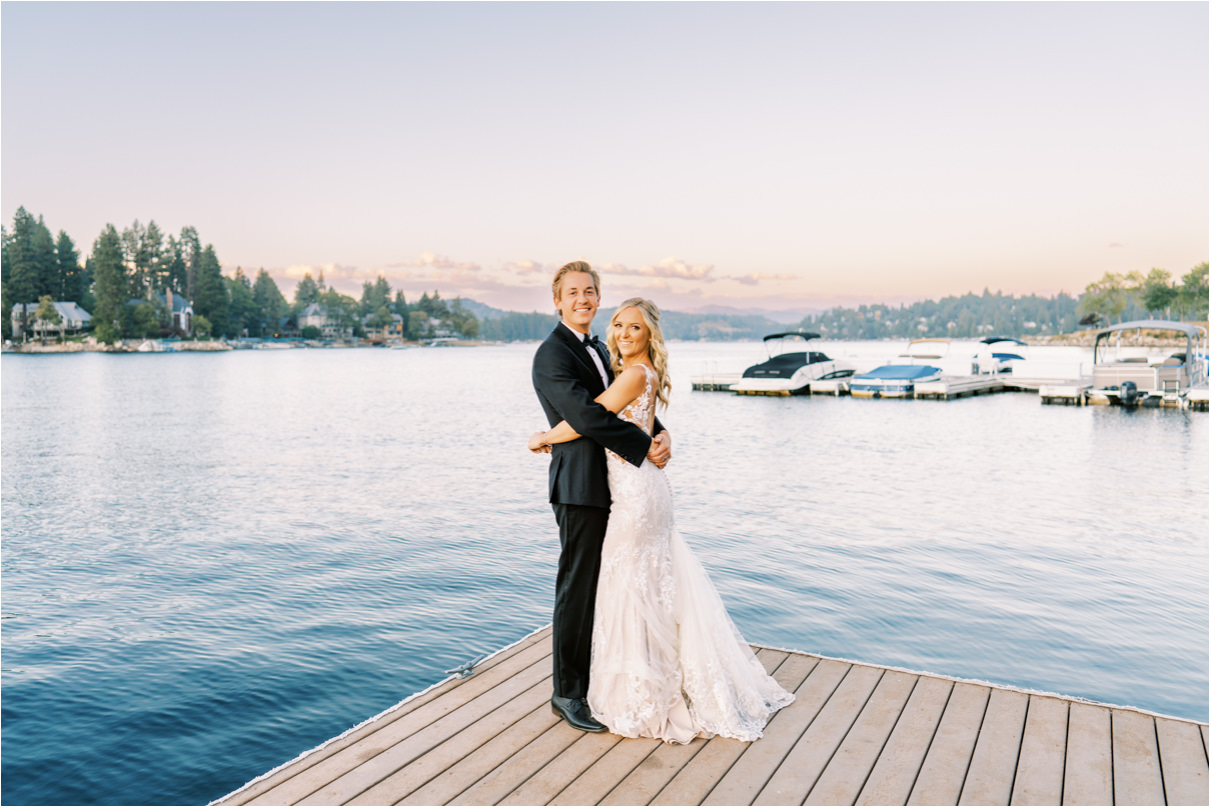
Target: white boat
x=155, y=346
x=1130, y=376
x=791, y=366
x=997, y=355
x=898, y=379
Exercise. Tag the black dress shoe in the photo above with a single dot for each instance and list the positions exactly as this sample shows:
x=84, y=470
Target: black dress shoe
x=576, y=713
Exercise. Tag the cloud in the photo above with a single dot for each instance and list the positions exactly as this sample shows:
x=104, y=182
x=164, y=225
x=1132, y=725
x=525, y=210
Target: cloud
x=331, y=271
x=431, y=260
x=529, y=268
x=753, y=278
x=668, y=268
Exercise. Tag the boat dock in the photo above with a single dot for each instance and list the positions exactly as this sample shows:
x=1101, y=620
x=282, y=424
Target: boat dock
x=1050, y=391
x=856, y=734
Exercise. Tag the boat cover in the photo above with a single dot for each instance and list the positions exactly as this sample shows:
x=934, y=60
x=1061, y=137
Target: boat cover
x=783, y=366
x=898, y=373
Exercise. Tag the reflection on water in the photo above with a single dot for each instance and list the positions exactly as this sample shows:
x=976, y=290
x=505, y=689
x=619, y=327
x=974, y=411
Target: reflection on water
x=213, y=562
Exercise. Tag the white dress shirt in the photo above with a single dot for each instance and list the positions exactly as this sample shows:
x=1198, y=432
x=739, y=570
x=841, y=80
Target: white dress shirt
x=593, y=352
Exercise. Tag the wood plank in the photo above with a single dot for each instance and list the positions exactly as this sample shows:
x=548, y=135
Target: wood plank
x=256, y=788
x=802, y=766
x=895, y=772
x=542, y=787
x=989, y=778
x=694, y=783
x=520, y=766
x=940, y=781
x=843, y=778
x=1088, y=772
x=591, y=787
x=378, y=764
x=646, y=780
x=1183, y=762
x=643, y=784
x=472, y=768
x=452, y=750
x=315, y=777
x=1137, y=764
x=1040, y=775
x=758, y=762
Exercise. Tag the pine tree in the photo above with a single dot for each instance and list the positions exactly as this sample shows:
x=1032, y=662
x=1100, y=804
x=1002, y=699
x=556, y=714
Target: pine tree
x=71, y=285
x=270, y=305
x=242, y=314
x=21, y=265
x=174, y=267
x=6, y=303
x=210, y=300
x=43, y=246
x=306, y=293
x=191, y=255
x=153, y=259
x=110, y=284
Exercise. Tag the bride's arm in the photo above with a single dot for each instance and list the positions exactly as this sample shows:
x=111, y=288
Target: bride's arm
x=625, y=389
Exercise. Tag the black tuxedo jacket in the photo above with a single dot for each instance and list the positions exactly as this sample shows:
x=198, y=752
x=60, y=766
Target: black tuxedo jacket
x=567, y=381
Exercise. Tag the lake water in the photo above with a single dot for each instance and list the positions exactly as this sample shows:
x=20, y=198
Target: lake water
x=212, y=562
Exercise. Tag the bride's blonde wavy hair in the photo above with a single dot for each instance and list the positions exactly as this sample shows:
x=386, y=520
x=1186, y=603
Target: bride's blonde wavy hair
x=660, y=355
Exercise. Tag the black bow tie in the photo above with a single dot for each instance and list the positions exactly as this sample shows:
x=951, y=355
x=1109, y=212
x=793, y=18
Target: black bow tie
x=592, y=340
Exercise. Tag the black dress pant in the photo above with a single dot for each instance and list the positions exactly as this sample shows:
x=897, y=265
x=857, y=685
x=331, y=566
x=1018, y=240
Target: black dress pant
x=581, y=532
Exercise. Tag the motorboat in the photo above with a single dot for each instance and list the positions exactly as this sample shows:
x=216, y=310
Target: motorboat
x=997, y=355
x=899, y=378
x=1130, y=377
x=791, y=366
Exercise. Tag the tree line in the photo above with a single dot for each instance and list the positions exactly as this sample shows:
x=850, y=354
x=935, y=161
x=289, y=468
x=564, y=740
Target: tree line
x=1115, y=298
x=124, y=281
x=1136, y=296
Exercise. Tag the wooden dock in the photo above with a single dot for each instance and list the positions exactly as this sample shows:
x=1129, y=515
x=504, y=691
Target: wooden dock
x=948, y=387
x=855, y=734
x=717, y=382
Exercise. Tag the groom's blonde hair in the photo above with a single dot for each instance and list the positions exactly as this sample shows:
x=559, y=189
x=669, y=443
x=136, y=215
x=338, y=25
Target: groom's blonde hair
x=574, y=266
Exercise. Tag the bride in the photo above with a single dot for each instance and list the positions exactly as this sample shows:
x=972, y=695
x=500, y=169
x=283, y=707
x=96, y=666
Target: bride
x=667, y=661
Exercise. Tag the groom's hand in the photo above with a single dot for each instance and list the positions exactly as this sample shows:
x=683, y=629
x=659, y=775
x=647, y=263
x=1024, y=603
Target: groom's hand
x=537, y=445
x=661, y=451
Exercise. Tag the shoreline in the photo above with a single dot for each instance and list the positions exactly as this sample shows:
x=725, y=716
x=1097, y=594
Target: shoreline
x=1078, y=339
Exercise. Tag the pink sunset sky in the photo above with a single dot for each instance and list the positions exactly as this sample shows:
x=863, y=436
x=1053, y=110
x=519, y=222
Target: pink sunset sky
x=766, y=155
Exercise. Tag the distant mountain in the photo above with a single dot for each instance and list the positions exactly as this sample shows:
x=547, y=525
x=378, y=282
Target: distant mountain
x=483, y=311
x=784, y=316
x=722, y=323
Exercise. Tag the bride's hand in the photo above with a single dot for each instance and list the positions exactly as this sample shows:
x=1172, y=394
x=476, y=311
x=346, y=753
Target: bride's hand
x=662, y=450
x=537, y=445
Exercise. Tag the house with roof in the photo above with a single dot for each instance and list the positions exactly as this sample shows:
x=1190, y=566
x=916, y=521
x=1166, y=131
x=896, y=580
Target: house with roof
x=172, y=309
x=72, y=319
x=393, y=330
x=329, y=324
x=180, y=312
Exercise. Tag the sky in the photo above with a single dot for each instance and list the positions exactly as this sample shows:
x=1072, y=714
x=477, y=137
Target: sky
x=775, y=156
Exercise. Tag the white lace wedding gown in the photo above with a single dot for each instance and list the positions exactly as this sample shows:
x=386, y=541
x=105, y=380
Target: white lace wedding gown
x=667, y=661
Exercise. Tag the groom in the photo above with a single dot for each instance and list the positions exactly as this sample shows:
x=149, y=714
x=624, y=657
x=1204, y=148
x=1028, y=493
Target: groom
x=570, y=370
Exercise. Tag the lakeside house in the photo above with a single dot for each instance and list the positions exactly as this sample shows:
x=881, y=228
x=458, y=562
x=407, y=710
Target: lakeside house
x=394, y=330
x=331, y=326
x=72, y=319
x=173, y=311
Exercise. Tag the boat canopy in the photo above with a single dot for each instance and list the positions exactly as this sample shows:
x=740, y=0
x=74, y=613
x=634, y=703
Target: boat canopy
x=1191, y=331
x=899, y=372
x=991, y=340
x=784, y=334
